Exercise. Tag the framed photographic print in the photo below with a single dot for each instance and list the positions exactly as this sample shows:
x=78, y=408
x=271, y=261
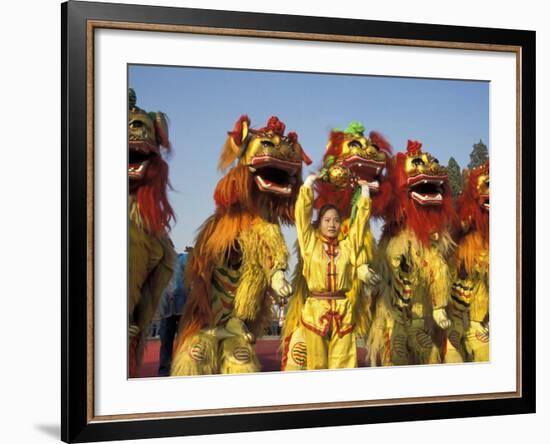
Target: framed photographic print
x=275, y=221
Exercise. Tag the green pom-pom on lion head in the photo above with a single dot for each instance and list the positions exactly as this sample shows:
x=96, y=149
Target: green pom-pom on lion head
x=354, y=128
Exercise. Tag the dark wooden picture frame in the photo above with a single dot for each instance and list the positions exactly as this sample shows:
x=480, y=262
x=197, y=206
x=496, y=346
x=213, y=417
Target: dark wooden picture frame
x=79, y=21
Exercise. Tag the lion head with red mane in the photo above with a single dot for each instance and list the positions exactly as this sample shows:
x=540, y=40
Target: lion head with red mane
x=147, y=170
x=421, y=195
x=351, y=155
x=473, y=203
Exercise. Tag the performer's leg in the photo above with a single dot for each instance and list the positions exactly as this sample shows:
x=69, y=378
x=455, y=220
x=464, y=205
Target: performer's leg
x=454, y=350
x=317, y=350
x=342, y=352
x=312, y=324
x=133, y=368
x=379, y=350
x=296, y=352
x=422, y=345
x=238, y=356
x=198, y=355
x=167, y=331
x=396, y=351
x=477, y=342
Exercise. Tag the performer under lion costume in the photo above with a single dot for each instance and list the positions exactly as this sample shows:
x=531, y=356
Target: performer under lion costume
x=468, y=337
x=412, y=260
x=350, y=155
x=150, y=252
x=240, y=255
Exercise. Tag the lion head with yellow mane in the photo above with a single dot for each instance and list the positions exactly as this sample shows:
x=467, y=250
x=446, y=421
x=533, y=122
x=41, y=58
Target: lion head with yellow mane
x=242, y=239
x=267, y=173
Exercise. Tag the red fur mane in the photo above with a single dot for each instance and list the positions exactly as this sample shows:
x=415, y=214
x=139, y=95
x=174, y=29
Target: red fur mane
x=470, y=212
x=381, y=142
x=403, y=212
x=152, y=199
x=342, y=198
x=335, y=144
x=330, y=194
x=382, y=199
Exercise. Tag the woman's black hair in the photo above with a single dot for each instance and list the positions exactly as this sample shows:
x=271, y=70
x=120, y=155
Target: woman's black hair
x=322, y=212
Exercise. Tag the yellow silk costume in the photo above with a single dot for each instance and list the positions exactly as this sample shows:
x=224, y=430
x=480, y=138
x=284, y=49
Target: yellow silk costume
x=329, y=268
x=349, y=154
x=293, y=346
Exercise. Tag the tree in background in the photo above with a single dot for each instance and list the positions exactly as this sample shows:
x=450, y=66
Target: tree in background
x=455, y=177
x=479, y=155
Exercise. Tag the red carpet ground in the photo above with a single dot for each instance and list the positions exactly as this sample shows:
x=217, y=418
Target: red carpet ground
x=266, y=348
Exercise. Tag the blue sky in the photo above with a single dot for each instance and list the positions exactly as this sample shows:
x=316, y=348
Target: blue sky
x=202, y=104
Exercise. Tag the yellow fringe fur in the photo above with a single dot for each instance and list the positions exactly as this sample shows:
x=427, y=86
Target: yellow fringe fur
x=429, y=266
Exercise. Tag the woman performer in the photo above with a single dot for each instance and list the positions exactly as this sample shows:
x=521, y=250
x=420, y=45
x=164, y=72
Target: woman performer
x=329, y=267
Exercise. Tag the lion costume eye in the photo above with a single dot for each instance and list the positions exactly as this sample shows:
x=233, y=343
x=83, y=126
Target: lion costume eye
x=355, y=144
x=418, y=161
x=267, y=144
x=136, y=124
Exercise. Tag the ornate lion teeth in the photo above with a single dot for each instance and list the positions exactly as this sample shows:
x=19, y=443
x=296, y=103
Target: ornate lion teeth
x=138, y=169
x=374, y=184
x=252, y=169
x=271, y=187
x=427, y=199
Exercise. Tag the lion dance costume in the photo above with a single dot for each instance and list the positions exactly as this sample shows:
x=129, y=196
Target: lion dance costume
x=468, y=337
x=412, y=259
x=240, y=255
x=349, y=155
x=151, y=254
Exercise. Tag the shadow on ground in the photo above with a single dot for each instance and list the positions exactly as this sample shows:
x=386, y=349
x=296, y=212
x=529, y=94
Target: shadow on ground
x=52, y=430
